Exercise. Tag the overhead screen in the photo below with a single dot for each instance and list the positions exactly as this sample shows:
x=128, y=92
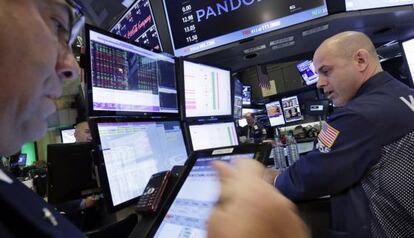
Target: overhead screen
x=126, y=79
x=291, y=109
x=275, y=113
x=208, y=136
x=138, y=24
x=207, y=90
x=191, y=21
x=352, y=5
x=247, y=95
x=408, y=47
x=133, y=151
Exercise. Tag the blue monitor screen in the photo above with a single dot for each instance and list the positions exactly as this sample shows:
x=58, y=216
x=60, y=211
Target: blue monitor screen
x=133, y=151
x=247, y=95
x=138, y=24
x=128, y=79
x=191, y=21
x=307, y=71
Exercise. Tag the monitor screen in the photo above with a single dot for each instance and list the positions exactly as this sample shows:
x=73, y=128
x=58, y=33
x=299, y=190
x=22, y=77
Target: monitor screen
x=207, y=90
x=191, y=208
x=68, y=135
x=238, y=103
x=353, y=5
x=291, y=109
x=307, y=71
x=133, y=151
x=275, y=113
x=214, y=135
x=124, y=78
x=247, y=95
x=190, y=21
x=138, y=24
x=408, y=47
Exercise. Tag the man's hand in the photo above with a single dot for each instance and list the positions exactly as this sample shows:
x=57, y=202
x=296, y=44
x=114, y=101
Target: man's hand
x=250, y=207
x=270, y=174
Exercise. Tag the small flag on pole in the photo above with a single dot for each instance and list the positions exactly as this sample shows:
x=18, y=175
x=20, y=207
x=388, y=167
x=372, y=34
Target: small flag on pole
x=262, y=76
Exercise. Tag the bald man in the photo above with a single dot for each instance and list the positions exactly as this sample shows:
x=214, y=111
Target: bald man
x=364, y=156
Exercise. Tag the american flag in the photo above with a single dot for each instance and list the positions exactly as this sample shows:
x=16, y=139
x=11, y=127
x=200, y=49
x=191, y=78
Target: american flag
x=328, y=135
x=262, y=76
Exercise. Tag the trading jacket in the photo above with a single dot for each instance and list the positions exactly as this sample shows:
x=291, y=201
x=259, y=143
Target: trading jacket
x=364, y=159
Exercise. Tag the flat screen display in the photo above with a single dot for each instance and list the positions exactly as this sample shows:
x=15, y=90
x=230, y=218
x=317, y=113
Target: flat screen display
x=68, y=135
x=238, y=99
x=352, y=5
x=307, y=71
x=207, y=90
x=191, y=21
x=127, y=79
x=247, y=95
x=291, y=109
x=242, y=122
x=133, y=151
x=138, y=24
x=214, y=135
x=275, y=113
x=191, y=208
x=408, y=47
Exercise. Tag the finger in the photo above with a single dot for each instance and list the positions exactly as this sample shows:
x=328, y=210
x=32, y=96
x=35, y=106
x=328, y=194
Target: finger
x=223, y=169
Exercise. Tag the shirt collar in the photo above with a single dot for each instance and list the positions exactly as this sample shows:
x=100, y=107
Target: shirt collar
x=376, y=80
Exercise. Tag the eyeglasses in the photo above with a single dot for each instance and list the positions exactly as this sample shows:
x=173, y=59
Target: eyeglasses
x=77, y=20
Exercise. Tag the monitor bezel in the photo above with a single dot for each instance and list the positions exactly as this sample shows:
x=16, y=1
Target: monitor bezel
x=261, y=153
x=181, y=85
x=411, y=76
x=188, y=133
x=129, y=9
x=99, y=159
x=88, y=79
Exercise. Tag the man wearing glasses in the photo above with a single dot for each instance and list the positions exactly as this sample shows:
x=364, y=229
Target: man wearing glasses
x=35, y=59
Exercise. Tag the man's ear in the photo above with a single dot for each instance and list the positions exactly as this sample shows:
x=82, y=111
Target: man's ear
x=361, y=59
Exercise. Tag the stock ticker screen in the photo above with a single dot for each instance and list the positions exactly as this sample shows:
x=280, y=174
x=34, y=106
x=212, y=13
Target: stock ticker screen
x=138, y=24
x=191, y=21
x=128, y=78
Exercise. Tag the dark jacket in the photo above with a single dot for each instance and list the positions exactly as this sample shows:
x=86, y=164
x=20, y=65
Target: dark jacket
x=364, y=160
x=25, y=214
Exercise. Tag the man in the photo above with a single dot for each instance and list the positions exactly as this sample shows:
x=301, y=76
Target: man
x=82, y=134
x=365, y=151
x=253, y=132
x=36, y=57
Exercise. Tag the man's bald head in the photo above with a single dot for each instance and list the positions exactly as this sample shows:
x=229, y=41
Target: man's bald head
x=346, y=43
x=345, y=62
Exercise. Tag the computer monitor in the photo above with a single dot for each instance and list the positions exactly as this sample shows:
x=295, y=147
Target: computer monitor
x=238, y=99
x=354, y=5
x=275, y=113
x=307, y=71
x=131, y=151
x=124, y=79
x=317, y=107
x=408, y=48
x=18, y=161
x=291, y=109
x=197, y=26
x=207, y=90
x=247, y=95
x=69, y=171
x=68, y=135
x=242, y=122
x=138, y=24
x=213, y=135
